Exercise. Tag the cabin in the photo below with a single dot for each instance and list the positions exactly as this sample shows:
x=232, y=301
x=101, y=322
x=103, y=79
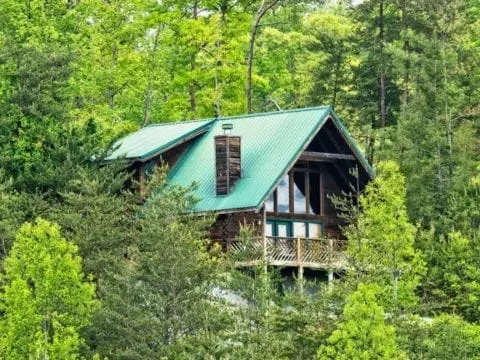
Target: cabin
x=272, y=172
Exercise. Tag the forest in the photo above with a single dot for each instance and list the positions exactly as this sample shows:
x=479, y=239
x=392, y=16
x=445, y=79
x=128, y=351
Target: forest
x=89, y=272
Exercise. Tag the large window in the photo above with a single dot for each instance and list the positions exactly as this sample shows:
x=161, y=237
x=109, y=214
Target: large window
x=299, y=199
x=270, y=203
x=283, y=195
x=314, y=194
x=299, y=192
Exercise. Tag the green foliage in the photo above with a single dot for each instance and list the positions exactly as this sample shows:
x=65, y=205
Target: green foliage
x=362, y=332
x=453, y=278
x=46, y=301
x=381, y=240
x=443, y=337
x=74, y=75
x=159, y=291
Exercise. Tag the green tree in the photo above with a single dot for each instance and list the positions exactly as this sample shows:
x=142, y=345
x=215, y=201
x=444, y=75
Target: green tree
x=443, y=337
x=381, y=239
x=46, y=301
x=158, y=291
x=362, y=332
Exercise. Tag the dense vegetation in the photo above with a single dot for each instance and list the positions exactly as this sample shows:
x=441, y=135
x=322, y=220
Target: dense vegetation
x=88, y=272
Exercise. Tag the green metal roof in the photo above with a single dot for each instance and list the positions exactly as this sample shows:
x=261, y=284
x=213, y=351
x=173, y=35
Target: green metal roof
x=154, y=139
x=271, y=142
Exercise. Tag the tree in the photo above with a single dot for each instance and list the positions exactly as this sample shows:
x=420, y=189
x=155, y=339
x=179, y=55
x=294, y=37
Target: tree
x=443, y=337
x=263, y=8
x=330, y=58
x=46, y=301
x=381, y=239
x=159, y=292
x=362, y=332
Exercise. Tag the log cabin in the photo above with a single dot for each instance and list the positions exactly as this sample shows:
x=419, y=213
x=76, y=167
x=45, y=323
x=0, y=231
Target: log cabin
x=272, y=172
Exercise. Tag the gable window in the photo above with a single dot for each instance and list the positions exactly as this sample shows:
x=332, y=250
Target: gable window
x=270, y=203
x=299, y=199
x=314, y=194
x=299, y=192
x=283, y=195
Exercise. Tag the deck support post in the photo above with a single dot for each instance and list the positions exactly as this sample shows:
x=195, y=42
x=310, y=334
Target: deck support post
x=330, y=277
x=298, y=253
x=330, y=261
x=265, y=264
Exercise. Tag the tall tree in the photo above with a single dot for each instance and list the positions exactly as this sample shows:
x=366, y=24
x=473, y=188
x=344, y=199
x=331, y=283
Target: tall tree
x=381, y=239
x=46, y=301
x=362, y=333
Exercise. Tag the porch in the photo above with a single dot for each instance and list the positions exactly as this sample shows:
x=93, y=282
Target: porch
x=315, y=254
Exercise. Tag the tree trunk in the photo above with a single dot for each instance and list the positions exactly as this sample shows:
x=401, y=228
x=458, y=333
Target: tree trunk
x=192, y=91
x=251, y=47
x=147, y=106
x=262, y=10
x=111, y=92
x=381, y=35
x=335, y=82
x=406, y=50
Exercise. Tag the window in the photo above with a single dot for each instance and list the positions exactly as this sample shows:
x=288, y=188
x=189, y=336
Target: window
x=314, y=230
x=293, y=228
x=269, y=229
x=314, y=196
x=295, y=185
x=300, y=202
x=283, y=229
x=270, y=203
x=283, y=195
x=299, y=230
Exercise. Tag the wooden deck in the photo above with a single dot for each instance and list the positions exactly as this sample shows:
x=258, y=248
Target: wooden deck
x=321, y=254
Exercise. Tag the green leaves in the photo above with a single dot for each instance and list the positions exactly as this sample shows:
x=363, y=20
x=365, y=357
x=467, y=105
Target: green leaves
x=381, y=240
x=362, y=332
x=46, y=301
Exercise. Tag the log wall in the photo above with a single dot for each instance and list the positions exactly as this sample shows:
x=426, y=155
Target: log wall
x=227, y=226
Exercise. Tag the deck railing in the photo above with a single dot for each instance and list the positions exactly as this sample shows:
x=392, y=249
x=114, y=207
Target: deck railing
x=290, y=251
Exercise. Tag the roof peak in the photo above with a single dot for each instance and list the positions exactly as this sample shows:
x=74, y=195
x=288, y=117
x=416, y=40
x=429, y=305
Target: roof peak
x=233, y=117
x=242, y=116
x=178, y=122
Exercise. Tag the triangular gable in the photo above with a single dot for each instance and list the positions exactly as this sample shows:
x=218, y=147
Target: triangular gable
x=353, y=145
x=271, y=144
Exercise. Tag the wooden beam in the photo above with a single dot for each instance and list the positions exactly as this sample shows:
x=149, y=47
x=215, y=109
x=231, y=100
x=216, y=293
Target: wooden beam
x=322, y=195
x=322, y=156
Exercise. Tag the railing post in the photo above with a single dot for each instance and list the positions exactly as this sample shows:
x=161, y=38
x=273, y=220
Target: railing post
x=265, y=269
x=299, y=259
x=330, y=261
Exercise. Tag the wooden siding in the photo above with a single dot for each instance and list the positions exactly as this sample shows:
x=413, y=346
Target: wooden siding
x=227, y=162
x=227, y=226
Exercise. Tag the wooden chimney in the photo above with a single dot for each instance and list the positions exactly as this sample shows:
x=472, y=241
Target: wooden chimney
x=227, y=160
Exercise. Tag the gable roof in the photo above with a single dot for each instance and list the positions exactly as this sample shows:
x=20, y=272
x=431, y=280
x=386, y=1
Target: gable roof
x=271, y=143
x=155, y=139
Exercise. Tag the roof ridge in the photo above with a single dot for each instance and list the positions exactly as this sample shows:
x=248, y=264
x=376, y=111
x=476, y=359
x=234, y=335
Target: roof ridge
x=178, y=122
x=242, y=116
x=288, y=111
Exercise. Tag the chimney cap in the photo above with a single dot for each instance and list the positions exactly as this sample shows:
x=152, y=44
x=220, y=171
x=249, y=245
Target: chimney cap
x=227, y=128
